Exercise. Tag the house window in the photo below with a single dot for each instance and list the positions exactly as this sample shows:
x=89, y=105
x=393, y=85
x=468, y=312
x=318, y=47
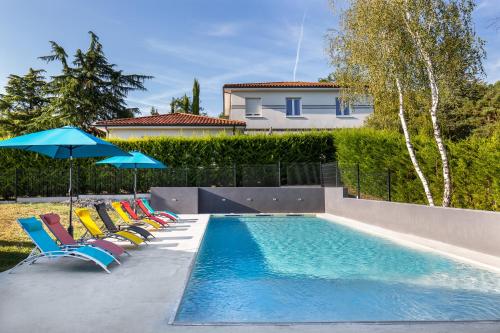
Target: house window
x=293, y=107
x=341, y=107
x=253, y=107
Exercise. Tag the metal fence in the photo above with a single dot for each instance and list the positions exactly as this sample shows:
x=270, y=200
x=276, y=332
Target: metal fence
x=30, y=182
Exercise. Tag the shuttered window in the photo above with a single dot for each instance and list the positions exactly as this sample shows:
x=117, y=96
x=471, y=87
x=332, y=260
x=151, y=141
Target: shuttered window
x=253, y=107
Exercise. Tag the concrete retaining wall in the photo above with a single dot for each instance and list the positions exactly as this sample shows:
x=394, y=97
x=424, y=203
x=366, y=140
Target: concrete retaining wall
x=182, y=200
x=471, y=229
x=205, y=200
x=115, y=197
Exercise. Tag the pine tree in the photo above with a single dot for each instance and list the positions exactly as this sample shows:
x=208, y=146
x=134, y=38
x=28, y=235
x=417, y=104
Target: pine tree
x=90, y=89
x=24, y=103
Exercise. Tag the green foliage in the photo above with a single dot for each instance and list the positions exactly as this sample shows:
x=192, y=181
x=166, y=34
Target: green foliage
x=176, y=152
x=87, y=90
x=24, y=103
x=154, y=111
x=474, y=165
x=180, y=105
x=473, y=110
x=240, y=149
x=186, y=104
x=91, y=89
x=195, y=106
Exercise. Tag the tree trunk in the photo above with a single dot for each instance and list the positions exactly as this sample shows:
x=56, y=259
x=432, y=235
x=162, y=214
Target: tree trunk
x=433, y=111
x=409, y=146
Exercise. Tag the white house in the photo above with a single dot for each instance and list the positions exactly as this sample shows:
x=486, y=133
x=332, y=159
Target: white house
x=173, y=124
x=292, y=106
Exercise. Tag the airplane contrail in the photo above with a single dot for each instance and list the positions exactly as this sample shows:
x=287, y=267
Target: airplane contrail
x=299, y=45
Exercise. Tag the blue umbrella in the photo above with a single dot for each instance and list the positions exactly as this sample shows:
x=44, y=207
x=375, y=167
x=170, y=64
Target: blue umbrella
x=135, y=160
x=65, y=142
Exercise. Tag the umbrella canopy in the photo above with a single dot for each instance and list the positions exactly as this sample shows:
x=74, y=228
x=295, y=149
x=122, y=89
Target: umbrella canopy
x=65, y=142
x=135, y=160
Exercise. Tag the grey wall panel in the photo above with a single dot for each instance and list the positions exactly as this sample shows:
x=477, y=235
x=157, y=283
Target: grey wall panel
x=471, y=229
x=178, y=199
x=205, y=200
x=261, y=200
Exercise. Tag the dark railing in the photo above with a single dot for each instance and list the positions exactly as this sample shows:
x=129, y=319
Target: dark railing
x=108, y=180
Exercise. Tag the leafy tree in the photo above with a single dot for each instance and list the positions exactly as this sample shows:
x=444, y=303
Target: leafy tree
x=195, y=106
x=184, y=104
x=409, y=53
x=443, y=36
x=24, y=103
x=371, y=53
x=154, y=111
x=90, y=88
x=180, y=105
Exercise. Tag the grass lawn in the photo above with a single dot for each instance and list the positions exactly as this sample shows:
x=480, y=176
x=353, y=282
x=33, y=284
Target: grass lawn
x=14, y=243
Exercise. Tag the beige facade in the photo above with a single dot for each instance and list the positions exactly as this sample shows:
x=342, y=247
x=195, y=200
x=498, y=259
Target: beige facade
x=137, y=132
x=318, y=109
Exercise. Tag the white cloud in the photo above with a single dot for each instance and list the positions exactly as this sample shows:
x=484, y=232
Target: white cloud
x=223, y=29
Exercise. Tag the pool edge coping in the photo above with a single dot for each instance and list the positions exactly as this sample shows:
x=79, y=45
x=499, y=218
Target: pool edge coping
x=173, y=315
x=402, y=239
x=475, y=258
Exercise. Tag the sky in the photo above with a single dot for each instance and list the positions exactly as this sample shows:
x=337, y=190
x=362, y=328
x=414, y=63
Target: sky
x=216, y=41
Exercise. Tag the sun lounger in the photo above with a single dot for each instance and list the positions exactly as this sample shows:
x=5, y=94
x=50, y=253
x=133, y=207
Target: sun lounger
x=123, y=206
x=145, y=206
x=46, y=247
x=53, y=223
x=112, y=227
x=96, y=232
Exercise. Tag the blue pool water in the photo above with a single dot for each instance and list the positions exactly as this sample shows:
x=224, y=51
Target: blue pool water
x=305, y=269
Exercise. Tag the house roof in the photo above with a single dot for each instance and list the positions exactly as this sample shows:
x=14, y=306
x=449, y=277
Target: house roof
x=285, y=84
x=171, y=119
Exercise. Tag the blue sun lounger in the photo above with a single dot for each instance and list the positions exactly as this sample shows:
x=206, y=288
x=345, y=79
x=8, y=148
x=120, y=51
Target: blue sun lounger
x=46, y=247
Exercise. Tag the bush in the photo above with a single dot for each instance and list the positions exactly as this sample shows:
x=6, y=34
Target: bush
x=473, y=162
x=474, y=165
x=39, y=175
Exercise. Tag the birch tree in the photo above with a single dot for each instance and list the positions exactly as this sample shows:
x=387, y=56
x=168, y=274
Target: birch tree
x=404, y=48
x=371, y=59
x=443, y=36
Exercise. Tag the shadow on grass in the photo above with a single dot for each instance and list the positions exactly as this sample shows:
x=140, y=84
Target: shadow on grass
x=12, y=252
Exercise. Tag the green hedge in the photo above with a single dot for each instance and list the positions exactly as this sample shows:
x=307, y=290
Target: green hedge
x=474, y=163
x=177, y=153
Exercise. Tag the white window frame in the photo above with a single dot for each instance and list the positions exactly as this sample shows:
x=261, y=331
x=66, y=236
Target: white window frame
x=253, y=115
x=293, y=115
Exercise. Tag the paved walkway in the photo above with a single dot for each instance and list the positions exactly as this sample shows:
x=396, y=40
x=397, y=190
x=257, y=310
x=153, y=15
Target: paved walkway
x=141, y=295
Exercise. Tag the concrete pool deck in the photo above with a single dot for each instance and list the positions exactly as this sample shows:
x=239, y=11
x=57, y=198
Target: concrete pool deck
x=142, y=295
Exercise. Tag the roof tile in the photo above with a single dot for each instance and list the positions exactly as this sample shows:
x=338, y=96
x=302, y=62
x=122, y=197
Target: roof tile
x=171, y=119
x=289, y=84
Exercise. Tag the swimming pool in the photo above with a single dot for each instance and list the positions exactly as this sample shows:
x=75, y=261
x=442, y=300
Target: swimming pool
x=305, y=269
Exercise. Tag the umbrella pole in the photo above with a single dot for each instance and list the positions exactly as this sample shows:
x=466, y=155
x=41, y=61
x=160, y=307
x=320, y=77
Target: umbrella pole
x=70, y=227
x=135, y=188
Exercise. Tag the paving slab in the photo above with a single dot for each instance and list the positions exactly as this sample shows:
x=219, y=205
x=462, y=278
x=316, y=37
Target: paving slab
x=141, y=295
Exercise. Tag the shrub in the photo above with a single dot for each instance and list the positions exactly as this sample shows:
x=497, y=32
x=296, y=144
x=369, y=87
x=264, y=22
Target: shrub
x=474, y=167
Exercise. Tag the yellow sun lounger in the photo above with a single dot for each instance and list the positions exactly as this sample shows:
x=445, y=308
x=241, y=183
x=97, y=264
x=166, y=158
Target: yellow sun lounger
x=92, y=227
x=117, y=206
